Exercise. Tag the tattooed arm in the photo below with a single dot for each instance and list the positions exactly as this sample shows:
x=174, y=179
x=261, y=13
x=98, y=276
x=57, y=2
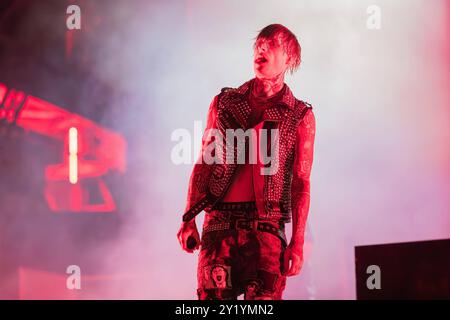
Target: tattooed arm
x=197, y=184
x=197, y=181
x=300, y=191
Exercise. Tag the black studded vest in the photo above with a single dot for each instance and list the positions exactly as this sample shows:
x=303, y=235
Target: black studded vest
x=233, y=111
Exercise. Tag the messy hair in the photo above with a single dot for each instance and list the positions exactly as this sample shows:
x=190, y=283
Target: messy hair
x=288, y=41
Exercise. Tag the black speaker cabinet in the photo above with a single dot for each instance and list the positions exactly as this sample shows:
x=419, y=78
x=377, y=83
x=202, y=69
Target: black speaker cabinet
x=412, y=270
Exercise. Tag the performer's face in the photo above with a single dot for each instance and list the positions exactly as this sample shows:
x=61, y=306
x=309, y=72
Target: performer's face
x=269, y=58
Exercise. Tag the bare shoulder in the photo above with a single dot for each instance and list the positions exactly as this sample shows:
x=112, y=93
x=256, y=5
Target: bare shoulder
x=309, y=120
x=306, y=112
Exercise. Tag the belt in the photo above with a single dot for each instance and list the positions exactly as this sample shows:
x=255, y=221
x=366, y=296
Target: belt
x=240, y=206
x=246, y=224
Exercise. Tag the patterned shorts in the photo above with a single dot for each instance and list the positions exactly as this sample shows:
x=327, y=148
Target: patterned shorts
x=232, y=262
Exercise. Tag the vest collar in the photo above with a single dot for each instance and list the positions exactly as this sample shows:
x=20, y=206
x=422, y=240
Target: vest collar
x=287, y=99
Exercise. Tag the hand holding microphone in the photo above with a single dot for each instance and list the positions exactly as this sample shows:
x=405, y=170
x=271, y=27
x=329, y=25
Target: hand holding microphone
x=188, y=236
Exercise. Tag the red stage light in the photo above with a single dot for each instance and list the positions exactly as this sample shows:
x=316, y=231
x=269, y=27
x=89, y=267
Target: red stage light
x=90, y=151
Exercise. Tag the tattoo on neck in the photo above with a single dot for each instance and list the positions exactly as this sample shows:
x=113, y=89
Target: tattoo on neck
x=265, y=88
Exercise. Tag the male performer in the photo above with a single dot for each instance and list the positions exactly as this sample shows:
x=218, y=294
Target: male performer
x=243, y=244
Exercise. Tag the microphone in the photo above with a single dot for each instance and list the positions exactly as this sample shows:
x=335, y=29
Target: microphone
x=191, y=243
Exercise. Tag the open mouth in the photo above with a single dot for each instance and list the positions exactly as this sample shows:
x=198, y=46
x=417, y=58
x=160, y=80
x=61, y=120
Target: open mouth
x=260, y=60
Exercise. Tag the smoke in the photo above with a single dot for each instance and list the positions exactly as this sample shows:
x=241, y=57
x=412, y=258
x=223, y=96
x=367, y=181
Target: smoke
x=380, y=99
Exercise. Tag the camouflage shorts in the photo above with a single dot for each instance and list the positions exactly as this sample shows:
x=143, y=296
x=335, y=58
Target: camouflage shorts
x=232, y=262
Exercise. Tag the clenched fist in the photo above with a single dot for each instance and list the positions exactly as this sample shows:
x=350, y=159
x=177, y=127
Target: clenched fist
x=188, y=232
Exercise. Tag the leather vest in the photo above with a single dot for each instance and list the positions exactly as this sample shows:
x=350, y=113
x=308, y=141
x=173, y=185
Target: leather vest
x=233, y=112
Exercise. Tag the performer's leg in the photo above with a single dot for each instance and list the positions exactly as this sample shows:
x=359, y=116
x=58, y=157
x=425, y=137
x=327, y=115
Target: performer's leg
x=263, y=260
x=215, y=272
